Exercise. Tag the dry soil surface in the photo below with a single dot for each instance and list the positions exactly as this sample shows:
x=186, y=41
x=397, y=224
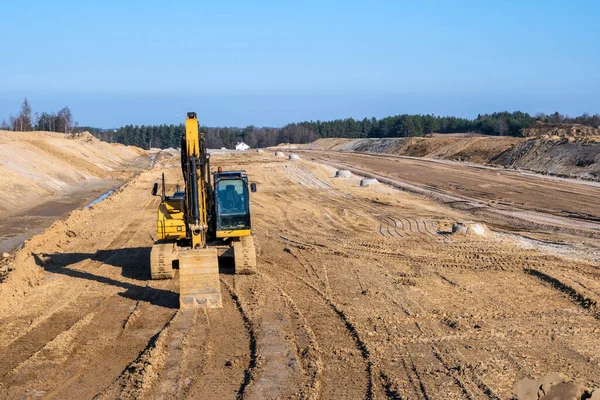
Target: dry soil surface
x=556, y=210
x=357, y=296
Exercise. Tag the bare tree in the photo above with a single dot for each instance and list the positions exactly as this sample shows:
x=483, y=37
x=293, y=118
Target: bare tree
x=25, y=116
x=4, y=126
x=501, y=126
x=13, y=122
x=66, y=118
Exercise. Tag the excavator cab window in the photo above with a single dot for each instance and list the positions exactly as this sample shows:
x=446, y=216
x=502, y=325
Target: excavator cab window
x=232, y=204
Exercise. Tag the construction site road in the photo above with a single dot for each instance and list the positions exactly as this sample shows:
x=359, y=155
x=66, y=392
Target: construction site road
x=361, y=292
x=550, y=208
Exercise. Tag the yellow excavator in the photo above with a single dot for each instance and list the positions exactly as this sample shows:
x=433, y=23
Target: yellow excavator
x=201, y=222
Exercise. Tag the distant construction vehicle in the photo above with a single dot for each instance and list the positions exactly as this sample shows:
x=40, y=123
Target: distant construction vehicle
x=203, y=220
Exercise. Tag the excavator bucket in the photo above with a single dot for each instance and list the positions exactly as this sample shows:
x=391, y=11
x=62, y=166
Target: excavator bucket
x=199, y=284
x=245, y=256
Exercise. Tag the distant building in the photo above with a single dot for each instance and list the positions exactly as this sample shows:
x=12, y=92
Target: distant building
x=241, y=146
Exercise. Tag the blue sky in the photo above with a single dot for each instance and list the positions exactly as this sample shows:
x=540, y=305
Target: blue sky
x=271, y=62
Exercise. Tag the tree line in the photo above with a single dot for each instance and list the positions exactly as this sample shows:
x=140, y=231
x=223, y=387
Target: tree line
x=165, y=136
x=26, y=120
x=405, y=125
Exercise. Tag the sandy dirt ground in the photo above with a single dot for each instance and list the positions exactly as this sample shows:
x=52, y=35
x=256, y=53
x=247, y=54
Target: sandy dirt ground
x=358, y=296
x=557, y=211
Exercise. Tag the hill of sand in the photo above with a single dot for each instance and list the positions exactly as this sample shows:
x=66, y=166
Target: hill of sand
x=577, y=157
x=36, y=166
x=472, y=149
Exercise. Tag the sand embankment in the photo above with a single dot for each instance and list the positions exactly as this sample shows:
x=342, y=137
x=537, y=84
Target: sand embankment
x=576, y=157
x=45, y=175
x=37, y=165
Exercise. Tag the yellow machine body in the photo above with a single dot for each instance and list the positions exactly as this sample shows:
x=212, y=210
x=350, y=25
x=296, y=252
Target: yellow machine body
x=171, y=221
x=183, y=229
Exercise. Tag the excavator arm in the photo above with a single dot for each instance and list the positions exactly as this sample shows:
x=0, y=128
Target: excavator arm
x=199, y=266
x=193, y=156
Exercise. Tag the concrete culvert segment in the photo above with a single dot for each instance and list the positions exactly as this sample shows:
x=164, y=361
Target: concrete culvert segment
x=368, y=182
x=343, y=173
x=471, y=228
x=294, y=157
x=279, y=154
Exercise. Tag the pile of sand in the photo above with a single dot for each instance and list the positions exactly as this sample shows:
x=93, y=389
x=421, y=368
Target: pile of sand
x=577, y=156
x=472, y=149
x=38, y=165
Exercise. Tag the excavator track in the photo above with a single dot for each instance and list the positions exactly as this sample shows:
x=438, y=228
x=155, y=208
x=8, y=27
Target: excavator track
x=245, y=256
x=199, y=284
x=161, y=260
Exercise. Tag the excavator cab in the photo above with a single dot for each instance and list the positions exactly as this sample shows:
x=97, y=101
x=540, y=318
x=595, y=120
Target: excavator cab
x=231, y=217
x=232, y=204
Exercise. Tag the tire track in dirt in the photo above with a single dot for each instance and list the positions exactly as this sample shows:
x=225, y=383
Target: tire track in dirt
x=68, y=293
x=198, y=354
x=223, y=365
x=15, y=362
x=314, y=182
x=472, y=387
x=187, y=346
x=250, y=370
x=474, y=383
x=309, y=352
x=412, y=373
x=575, y=296
x=360, y=344
x=137, y=377
x=331, y=348
x=107, y=346
x=390, y=388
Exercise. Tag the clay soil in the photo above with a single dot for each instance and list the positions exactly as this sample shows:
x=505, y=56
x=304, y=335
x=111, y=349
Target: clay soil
x=360, y=292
